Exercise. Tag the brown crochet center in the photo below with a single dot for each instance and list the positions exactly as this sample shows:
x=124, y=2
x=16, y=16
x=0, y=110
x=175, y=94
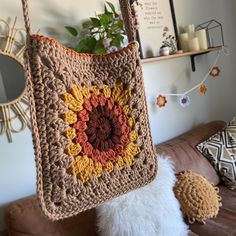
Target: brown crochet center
x=101, y=127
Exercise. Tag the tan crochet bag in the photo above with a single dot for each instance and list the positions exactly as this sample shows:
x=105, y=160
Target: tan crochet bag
x=91, y=133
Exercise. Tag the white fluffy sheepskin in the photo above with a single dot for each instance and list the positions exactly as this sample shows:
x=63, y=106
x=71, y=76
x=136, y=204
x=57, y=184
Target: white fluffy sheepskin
x=150, y=211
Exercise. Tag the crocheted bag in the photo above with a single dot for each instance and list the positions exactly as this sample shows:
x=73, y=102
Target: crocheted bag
x=91, y=133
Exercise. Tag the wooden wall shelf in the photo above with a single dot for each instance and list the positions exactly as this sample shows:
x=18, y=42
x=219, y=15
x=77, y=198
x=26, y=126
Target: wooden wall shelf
x=191, y=54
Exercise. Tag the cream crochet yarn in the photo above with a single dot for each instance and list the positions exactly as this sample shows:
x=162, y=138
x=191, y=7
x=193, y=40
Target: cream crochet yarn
x=198, y=198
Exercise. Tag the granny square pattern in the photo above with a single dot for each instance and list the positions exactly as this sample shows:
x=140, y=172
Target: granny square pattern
x=101, y=130
x=220, y=149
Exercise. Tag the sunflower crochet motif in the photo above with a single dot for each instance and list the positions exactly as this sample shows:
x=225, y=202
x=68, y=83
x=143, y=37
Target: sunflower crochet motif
x=101, y=130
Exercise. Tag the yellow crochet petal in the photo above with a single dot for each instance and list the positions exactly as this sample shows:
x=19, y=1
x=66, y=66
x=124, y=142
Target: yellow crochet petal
x=124, y=98
x=73, y=149
x=70, y=133
x=87, y=170
x=70, y=117
x=72, y=103
x=97, y=169
x=126, y=109
x=82, y=162
x=132, y=149
x=77, y=93
x=73, y=169
x=78, y=158
x=85, y=175
x=109, y=167
x=116, y=92
x=119, y=163
x=129, y=159
x=85, y=92
x=106, y=91
x=95, y=90
x=133, y=135
x=131, y=122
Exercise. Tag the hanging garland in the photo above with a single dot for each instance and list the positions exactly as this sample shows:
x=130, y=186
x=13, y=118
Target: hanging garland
x=184, y=99
x=161, y=101
x=202, y=89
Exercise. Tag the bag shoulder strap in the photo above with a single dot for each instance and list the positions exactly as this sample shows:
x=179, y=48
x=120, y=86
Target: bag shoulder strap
x=125, y=10
x=128, y=19
x=26, y=17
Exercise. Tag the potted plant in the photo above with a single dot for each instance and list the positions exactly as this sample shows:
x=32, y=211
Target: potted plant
x=102, y=34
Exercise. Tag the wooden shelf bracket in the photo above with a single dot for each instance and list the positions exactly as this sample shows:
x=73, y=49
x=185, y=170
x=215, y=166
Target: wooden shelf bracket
x=192, y=58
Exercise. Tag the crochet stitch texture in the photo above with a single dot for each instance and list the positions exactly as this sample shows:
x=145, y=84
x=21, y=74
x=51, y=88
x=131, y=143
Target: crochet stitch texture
x=199, y=200
x=101, y=130
x=91, y=133
x=90, y=124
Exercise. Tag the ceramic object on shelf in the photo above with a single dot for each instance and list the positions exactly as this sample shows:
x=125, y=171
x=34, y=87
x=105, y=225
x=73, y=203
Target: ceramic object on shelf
x=164, y=51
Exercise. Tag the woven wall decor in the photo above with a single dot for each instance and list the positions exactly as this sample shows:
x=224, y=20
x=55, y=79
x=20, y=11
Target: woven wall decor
x=14, y=108
x=90, y=125
x=199, y=200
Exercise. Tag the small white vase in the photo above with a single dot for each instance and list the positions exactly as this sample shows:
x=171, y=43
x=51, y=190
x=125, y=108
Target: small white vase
x=165, y=51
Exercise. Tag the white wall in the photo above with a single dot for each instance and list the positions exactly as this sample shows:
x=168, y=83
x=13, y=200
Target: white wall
x=17, y=170
x=176, y=74
x=234, y=6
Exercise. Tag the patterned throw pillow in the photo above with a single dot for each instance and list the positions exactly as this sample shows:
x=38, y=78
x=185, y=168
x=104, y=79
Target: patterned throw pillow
x=220, y=149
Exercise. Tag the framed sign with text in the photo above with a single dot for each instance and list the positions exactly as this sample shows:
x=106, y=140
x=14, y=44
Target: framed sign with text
x=156, y=26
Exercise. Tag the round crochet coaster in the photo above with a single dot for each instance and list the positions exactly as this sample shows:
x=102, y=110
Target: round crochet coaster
x=198, y=198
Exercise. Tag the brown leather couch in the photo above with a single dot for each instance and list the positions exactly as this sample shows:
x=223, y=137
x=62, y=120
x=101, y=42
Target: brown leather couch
x=186, y=157
x=24, y=218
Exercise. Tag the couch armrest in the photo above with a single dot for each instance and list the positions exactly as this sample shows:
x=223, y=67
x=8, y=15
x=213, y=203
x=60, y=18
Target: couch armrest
x=24, y=218
x=3, y=233
x=182, y=150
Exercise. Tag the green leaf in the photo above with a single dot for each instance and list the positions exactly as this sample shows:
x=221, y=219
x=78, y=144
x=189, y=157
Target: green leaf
x=105, y=9
x=95, y=29
x=86, y=45
x=104, y=19
x=88, y=25
x=101, y=50
x=100, y=43
x=72, y=30
x=81, y=47
x=115, y=42
x=111, y=17
x=95, y=22
x=119, y=25
x=112, y=7
x=118, y=36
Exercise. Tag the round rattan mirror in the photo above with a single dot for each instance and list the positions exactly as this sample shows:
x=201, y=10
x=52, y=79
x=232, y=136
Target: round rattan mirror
x=14, y=112
x=12, y=80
